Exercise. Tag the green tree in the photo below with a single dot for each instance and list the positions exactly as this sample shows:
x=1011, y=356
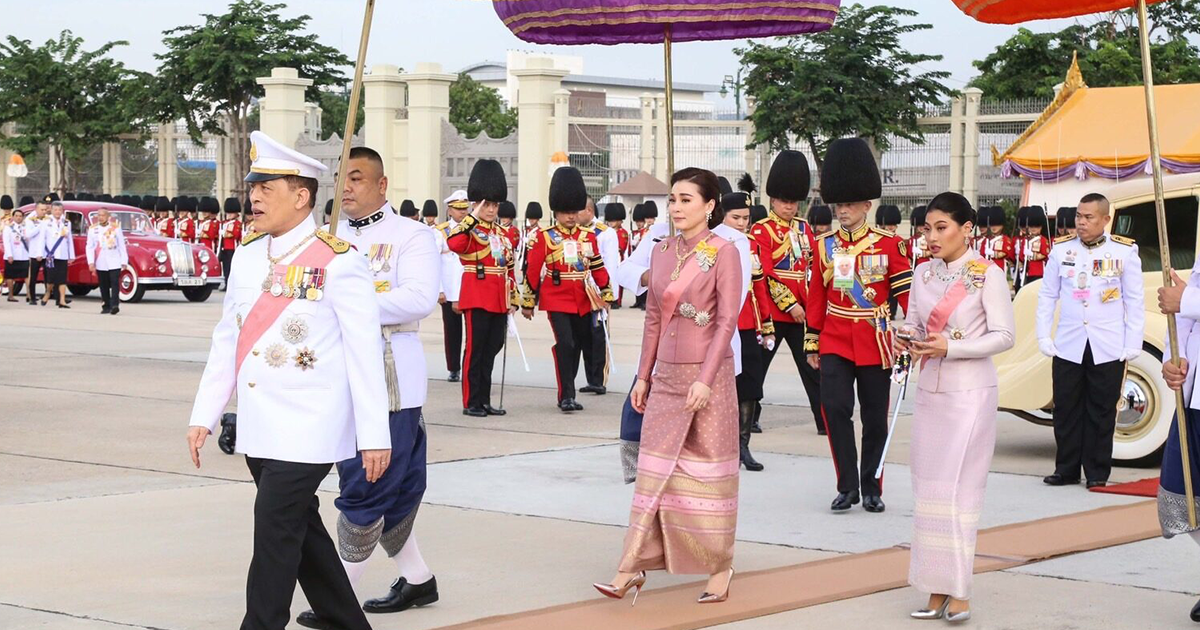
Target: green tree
x=856, y=79
x=61, y=95
x=1030, y=64
x=474, y=107
x=208, y=75
x=335, y=104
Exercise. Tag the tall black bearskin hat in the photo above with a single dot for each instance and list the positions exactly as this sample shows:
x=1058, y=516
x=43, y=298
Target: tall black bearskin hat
x=917, y=218
x=158, y=205
x=6, y=203
x=232, y=205
x=508, y=210
x=1023, y=216
x=68, y=196
x=134, y=200
x=614, y=212
x=1035, y=215
x=850, y=173
x=639, y=213
x=735, y=201
x=192, y=204
x=176, y=203
x=487, y=182
x=651, y=209
x=758, y=212
x=567, y=190
x=26, y=200
x=209, y=205
x=888, y=215
x=429, y=208
x=820, y=215
x=104, y=198
x=789, y=179
x=1065, y=218
x=329, y=208
x=85, y=196
x=724, y=185
x=50, y=198
x=533, y=210
x=408, y=209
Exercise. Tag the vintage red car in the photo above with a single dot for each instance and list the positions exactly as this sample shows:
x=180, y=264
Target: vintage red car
x=156, y=263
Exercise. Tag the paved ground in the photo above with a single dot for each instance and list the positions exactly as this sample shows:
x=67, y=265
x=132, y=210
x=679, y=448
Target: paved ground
x=105, y=524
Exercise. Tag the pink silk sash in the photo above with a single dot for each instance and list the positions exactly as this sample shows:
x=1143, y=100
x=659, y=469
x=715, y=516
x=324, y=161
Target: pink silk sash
x=268, y=308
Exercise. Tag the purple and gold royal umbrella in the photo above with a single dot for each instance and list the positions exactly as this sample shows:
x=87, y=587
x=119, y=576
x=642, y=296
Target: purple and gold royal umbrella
x=609, y=22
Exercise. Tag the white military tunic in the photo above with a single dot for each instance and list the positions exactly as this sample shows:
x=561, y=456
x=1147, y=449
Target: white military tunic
x=106, y=246
x=323, y=414
x=35, y=234
x=452, y=269
x=15, y=243
x=406, y=285
x=1099, y=293
x=56, y=229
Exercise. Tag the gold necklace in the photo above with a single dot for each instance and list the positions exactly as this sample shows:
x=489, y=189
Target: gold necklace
x=680, y=259
x=268, y=283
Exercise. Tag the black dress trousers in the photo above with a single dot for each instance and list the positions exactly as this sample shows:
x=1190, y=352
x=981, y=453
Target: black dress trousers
x=793, y=334
x=290, y=545
x=110, y=287
x=1085, y=415
x=838, y=377
x=572, y=333
x=595, y=354
x=35, y=267
x=485, y=339
x=452, y=337
x=750, y=381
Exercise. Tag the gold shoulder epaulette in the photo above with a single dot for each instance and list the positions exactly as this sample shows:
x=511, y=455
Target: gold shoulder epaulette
x=336, y=244
x=1063, y=239
x=882, y=232
x=1124, y=240
x=600, y=227
x=443, y=225
x=763, y=221
x=824, y=235
x=250, y=237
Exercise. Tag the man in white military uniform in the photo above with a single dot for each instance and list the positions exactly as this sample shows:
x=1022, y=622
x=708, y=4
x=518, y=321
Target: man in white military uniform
x=457, y=208
x=35, y=234
x=299, y=342
x=633, y=274
x=16, y=255
x=106, y=256
x=1096, y=280
x=403, y=258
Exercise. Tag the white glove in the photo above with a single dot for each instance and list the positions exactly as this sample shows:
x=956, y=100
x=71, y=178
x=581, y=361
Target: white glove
x=1047, y=347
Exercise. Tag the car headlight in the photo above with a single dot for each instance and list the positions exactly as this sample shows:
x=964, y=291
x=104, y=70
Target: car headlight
x=204, y=256
x=162, y=269
x=160, y=256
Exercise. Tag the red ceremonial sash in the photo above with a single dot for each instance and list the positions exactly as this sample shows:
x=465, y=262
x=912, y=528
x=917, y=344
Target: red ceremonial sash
x=268, y=308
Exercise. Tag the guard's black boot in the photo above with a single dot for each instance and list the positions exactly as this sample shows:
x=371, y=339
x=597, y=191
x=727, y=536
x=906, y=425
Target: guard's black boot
x=228, y=439
x=1196, y=612
x=754, y=428
x=745, y=420
x=403, y=596
x=309, y=619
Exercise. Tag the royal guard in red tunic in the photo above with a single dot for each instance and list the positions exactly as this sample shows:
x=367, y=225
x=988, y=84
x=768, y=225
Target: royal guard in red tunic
x=166, y=224
x=564, y=276
x=993, y=244
x=614, y=218
x=231, y=234
x=1033, y=248
x=918, y=247
x=507, y=217
x=787, y=244
x=533, y=220
x=208, y=230
x=185, y=224
x=857, y=268
x=489, y=288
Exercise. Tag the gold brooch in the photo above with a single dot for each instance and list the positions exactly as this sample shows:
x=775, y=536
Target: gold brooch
x=687, y=310
x=276, y=355
x=294, y=330
x=706, y=255
x=305, y=358
x=703, y=318
x=957, y=334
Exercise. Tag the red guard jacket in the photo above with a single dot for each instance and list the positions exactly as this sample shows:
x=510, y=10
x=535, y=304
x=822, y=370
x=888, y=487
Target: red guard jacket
x=553, y=285
x=839, y=324
x=231, y=234
x=756, y=312
x=623, y=238
x=209, y=233
x=998, y=249
x=918, y=250
x=486, y=253
x=166, y=227
x=185, y=228
x=786, y=251
x=1034, y=266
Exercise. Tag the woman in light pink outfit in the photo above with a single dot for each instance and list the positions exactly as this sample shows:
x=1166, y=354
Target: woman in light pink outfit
x=960, y=315
x=684, y=511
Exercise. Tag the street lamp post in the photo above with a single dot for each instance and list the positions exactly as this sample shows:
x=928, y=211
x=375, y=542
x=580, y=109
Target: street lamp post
x=734, y=83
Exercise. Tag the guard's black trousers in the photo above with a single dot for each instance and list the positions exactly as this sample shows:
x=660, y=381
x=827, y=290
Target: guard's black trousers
x=290, y=544
x=595, y=354
x=838, y=376
x=1085, y=415
x=793, y=334
x=226, y=258
x=452, y=335
x=750, y=381
x=485, y=339
x=35, y=267
x=571, y=334
x=110, y=287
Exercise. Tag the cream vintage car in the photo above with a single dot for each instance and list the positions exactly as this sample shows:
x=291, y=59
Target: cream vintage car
x=1147, y=406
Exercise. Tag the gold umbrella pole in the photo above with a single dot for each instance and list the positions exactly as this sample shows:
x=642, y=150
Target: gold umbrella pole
x=1164, y=249
x=669, y=89
x=351, y=116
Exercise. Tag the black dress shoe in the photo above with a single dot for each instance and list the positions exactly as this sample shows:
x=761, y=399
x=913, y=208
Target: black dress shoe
x=1058, y=480
x=454, y=377
x=475, y=412
x=755, y=427
x=309, y=619
x=821, y=430
x=598, y=390
x=403, y=596
x=1196, y=612
x=575, y=406
x=492, y=411
x=566, y=404
x=1096, y=484
x=105, y=310
x=116, y=309
x=873, y=504
x=844, y=501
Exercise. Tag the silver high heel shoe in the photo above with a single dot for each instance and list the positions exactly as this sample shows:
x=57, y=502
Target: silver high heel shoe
x=932, y=613
x=958, y=617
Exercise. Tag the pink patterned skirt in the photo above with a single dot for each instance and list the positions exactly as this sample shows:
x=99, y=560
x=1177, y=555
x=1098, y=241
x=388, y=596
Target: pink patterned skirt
x=684, y=513
x=953, y=437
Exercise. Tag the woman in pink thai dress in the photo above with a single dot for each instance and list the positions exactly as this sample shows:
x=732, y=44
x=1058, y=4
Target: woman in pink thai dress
x=960, y=315
x=684, y=512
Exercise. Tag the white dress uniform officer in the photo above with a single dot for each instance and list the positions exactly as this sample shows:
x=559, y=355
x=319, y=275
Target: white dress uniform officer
x=1096, y=280
x=35, y=234
x=16, y=255
x=106, y=256
x=299, y=342
x=457, y=208
x=403, y=259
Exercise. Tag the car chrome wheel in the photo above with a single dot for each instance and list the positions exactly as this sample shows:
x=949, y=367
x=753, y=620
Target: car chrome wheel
x=1136, y=408
x=1144, y=413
